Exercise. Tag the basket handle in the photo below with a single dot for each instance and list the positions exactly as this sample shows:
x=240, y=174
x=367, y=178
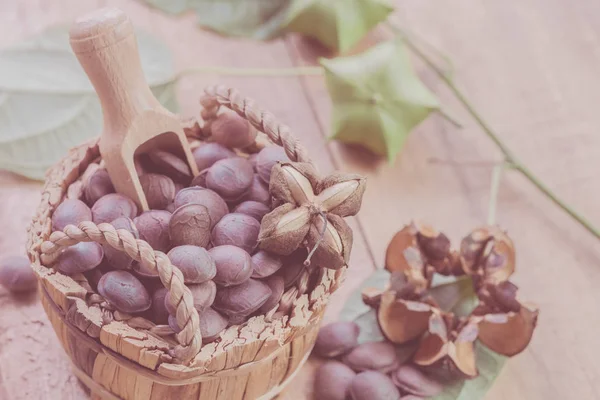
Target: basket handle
x=189, y=338
x=245, y=107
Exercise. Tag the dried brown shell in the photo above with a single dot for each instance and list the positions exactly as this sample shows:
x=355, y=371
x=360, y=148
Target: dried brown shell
x=341, y=194
x=371, y=296
x=293, y=183
x=401, y=320
x=510, y=333
x=404, y=254
x=333, y=251
x=433, y=243
x=283, y=229
x=488, y=253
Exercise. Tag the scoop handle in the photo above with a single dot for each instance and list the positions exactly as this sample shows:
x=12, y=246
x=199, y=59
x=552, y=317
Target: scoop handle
x=106, y=47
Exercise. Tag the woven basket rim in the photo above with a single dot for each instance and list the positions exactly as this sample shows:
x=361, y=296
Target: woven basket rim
x=307, y=310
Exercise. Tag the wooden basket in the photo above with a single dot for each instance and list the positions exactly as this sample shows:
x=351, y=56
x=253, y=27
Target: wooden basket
x=123, y=357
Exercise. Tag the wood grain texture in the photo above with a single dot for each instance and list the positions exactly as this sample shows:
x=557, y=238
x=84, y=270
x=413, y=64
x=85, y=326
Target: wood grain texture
x=530, y=66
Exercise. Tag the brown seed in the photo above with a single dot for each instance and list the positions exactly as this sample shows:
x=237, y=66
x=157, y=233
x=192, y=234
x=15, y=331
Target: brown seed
x=238, y=320
x=70, y=212
x=159, y=311
x=411, y=380
x=124, y=291
x=211, y=325
x=118, y=259
x=258, y=192
x=98, y=185
x=190, y=224
x=200, y=179
x=230, y=178
x=378, y=356
x=80, y=257
x=209, y=153
x=216, y=206
x=336, y=339
x=266, y=159
x=252, y=160
x=252, y=208
x=171, y=165
x=16, y=274
x=159, y=190
x=371, y=385
x=202, y=293
x=275, y=283
x=143, y=273
x=332, y=381
x=171, y=208
x=231, y=130
x=153, y=227
x=243, y=299
x=293, y=267
x=236, y=229
x=112, y=206
x=265, y=264
x=194, y=262
x=234, y=265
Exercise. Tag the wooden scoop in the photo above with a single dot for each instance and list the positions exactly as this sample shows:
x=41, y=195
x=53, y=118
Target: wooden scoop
x=134, y=121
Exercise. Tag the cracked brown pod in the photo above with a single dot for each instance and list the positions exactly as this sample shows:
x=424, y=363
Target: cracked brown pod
x=159, y=190
x=284, y=229
x=276, y=285
x=203, y=295
x=209, y=153
x=236, y=229
x=216, y=206
x=234, y=265
x=80, y=257
x=266, y=160
x=97, y=185
x=404, y=254
x=370, y=385
x=195, y=263
x=242, y=300
x=211, y=325
x=70, y=212
x=16, y=274
x=252, y=208
x=112, y=206
x=332, y=381
x=265, y=264
x=231, y=130
x=153, y=227
x=376, y=356
x=402, y=320
x=451, y=347
x=336, y=339
x=115, y=258
x=341, y=194
x=332, y=241
x=498, y=298
x=171, y=165
x=437, y=251
x=190, y=224
x=124, y=291
x=412, y=380
x=371, y=296
x=230, y=178
x=488, y=254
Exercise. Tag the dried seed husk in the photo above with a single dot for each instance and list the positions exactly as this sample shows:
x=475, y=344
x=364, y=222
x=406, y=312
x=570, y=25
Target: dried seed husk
x=434, y=244
x=16, y=274
x=341, y=194
x=371, y=296
x=489, y=254
x=171, y=165
x=265, y=264
x=159, y=190
x=412, y=380
x=252, y=208
x=124, y=291
x=376, y=356
x=336, y=339
x=332, y=381
x=153, y=227
x=276, y=285
x=266, y=159
x=334, y=250
x=97, y=185
x=209, y=153
x=501, y=297
x=293, y=183
x=70, y=212
x=283, y=229
x=216, y=206
x=404, y=254
x=231, y=130
x=242, y=300
x=234, y=265
x=510, y=333
x=402, y=320
x=236, y=229
x=211, y=325
x=115, y=258
x=80, y=257
x=195, y=263
x=190, y=224
x=112, y=206
x=370, y=385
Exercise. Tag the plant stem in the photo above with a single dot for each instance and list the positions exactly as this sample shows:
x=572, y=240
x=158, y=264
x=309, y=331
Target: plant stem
x=494, y=188
x=508, y=155
x=449, y=117
x=292, y=71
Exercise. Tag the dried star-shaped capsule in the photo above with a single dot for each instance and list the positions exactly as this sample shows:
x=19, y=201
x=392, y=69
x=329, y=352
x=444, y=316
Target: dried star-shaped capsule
x=312, y=213
x=488, y=255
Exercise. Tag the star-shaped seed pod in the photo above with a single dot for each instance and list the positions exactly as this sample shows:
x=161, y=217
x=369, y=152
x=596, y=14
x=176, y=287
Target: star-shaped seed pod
x=377, y=98
x=488, y=255
x=449, y=342
x=311, y=213
x=338, y=25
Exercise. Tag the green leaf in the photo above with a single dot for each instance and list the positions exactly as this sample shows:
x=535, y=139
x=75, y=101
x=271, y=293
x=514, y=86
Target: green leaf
x=377, y=98
x=337, y=24
x=489, y=364
x=454, y=294
x=47, y=104
x=354, y=306
x=258, y=19
x=369, y=327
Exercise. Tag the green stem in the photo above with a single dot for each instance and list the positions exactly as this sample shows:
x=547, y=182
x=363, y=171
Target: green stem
x=508, y=155
x=449, y=117
x=292, y=71
x=494, y=188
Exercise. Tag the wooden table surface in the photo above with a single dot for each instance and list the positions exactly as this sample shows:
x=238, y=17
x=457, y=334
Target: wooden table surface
x=533, y=69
